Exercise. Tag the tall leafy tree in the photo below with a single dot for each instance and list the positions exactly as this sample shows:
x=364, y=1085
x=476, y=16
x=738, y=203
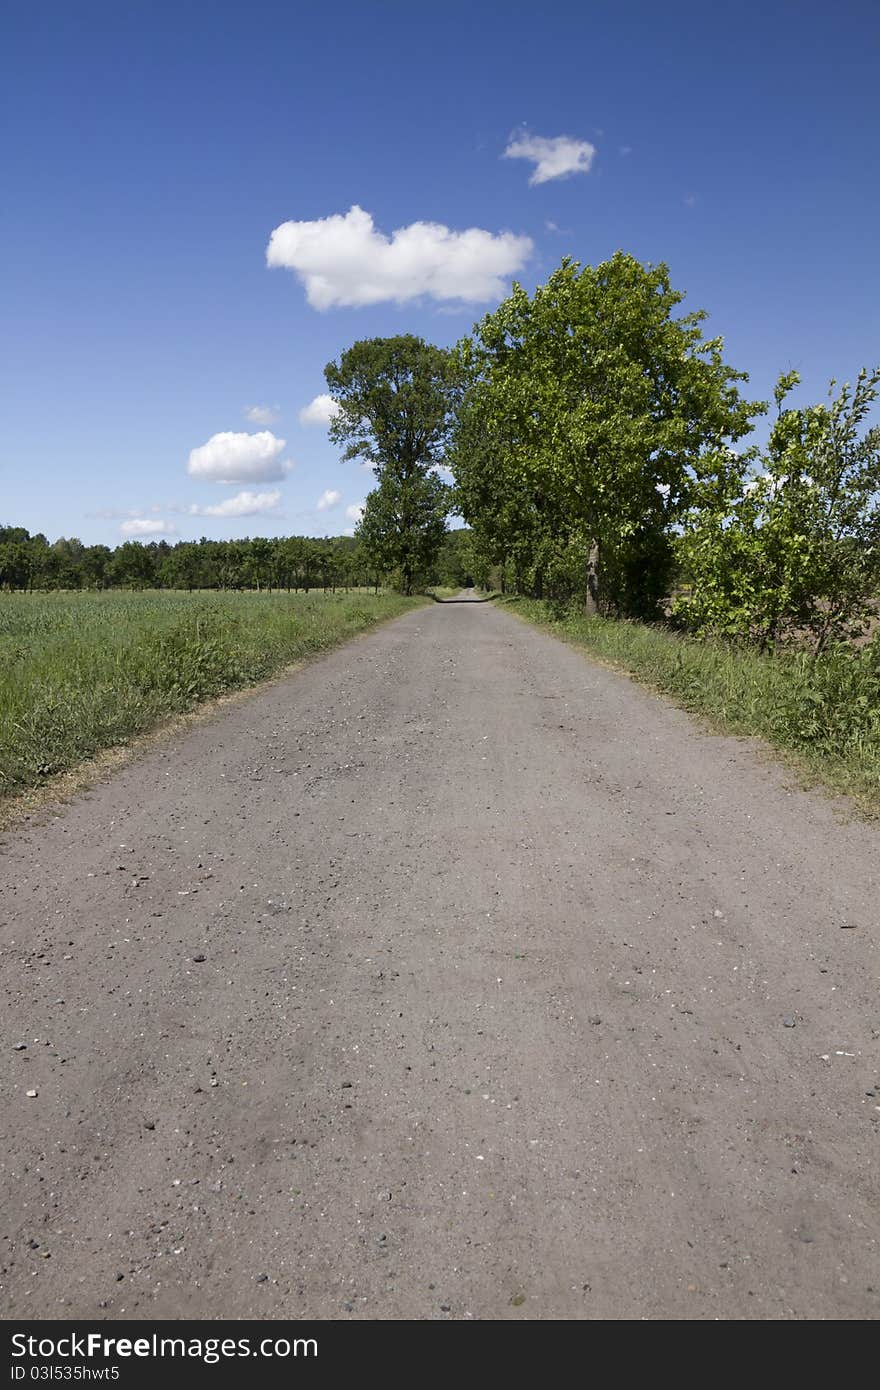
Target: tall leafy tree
x=588, y=405
x=396, y=399
x=402, y=528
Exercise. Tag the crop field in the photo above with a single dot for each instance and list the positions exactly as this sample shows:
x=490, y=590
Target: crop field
x=82, y=672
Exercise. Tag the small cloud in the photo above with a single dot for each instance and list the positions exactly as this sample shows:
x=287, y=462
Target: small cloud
x=690, y=200
x=345, y=260
x=624, y=150
x=147, y=526
x=328, y=499
x=262, y=414
x=239, y=458
x=243, y=504
x=319, y=411
x=354, y=512
x=554, y=158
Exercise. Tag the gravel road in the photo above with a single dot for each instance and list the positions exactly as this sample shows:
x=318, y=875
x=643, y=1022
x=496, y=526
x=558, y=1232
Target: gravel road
x=452, y=976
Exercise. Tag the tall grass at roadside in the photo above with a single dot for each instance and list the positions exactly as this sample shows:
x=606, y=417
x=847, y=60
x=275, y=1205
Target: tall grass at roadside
x=825, y=712
x=82, y=672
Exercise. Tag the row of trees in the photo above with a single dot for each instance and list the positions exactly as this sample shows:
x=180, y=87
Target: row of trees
x=594, y=436
x=294, y=562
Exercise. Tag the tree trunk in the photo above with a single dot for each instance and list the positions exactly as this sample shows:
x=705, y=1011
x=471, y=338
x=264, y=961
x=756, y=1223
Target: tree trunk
x=538, y=586
x=594, y=561
x=825, y=633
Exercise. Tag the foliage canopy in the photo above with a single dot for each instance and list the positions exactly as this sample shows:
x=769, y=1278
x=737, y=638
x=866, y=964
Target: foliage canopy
x=588, y=406
x=396, y=399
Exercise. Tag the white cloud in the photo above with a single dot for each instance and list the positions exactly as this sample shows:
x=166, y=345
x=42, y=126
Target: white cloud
x=329, y=498
x=354, y=512
x=555, y=158
x=262, y=414
x=238, y=458
x=344, y=260
x=146, y=526
x=319, y=411
x=242, y=504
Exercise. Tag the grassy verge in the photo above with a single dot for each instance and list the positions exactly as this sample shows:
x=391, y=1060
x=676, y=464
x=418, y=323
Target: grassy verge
x=823, y=715
x=84, y=672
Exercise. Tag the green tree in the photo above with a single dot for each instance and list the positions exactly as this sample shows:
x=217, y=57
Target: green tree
x=454, y=565
x=785, y=544
x=16, y=563
x=396, y=401
x=402, y=528
x=259, y=562
x=11, y=535
x=68, y=554
x=588, y=406
x=133, y=566
x=231, y=563
x=95, y=563
x=181, y=567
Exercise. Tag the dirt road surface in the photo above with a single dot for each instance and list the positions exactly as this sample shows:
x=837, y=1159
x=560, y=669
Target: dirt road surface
x=450, y=977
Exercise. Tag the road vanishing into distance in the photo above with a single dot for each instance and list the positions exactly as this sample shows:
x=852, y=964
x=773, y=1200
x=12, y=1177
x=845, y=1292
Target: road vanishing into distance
x=452, y=976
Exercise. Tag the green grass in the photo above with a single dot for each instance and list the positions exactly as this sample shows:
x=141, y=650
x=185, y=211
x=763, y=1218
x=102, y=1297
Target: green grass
x=84, y=672
x=824, y=714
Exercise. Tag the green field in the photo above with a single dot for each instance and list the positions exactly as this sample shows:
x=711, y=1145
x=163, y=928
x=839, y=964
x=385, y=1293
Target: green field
x=82, y=672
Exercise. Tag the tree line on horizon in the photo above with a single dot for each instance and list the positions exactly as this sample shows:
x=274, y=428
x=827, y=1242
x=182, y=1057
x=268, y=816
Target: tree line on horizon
x=291, y=563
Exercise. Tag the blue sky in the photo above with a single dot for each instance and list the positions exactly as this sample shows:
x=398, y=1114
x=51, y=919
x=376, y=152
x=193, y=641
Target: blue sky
x=151, y=149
